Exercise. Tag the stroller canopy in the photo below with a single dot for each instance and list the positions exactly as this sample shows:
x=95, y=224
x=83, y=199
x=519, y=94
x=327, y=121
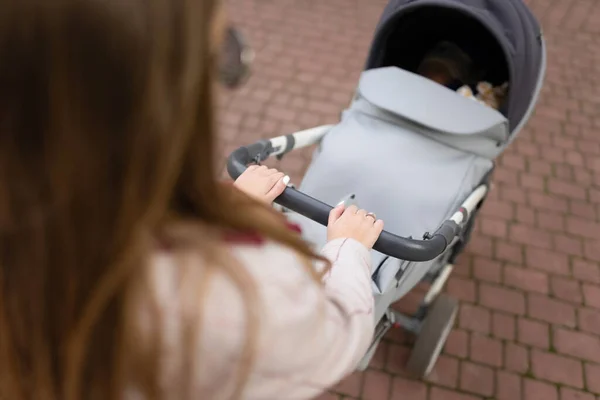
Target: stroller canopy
x=502, y=37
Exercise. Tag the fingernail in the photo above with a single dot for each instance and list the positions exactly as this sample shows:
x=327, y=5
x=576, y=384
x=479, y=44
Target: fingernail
x=341, y=203
x=286, y=180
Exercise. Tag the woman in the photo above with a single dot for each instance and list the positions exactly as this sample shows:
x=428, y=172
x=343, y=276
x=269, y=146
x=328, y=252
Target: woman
x=126, y=270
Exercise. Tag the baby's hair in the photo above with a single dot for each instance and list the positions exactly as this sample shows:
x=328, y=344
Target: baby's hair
x=450, y=57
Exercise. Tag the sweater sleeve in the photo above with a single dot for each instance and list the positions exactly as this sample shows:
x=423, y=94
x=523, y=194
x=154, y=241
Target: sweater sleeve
x=308, y=335
x=312, y=335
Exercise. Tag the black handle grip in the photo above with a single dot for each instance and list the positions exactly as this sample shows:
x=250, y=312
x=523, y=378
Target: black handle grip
x=292, y=199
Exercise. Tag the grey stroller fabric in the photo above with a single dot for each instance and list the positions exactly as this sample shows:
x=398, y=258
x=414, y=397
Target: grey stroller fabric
x=415, y=25
x=391, y=151
x=412, y=150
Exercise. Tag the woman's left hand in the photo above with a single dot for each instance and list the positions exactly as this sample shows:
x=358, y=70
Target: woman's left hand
x=262, y=183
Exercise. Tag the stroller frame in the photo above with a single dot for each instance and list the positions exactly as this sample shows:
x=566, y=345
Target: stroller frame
x=524, y=52
x=436, y=314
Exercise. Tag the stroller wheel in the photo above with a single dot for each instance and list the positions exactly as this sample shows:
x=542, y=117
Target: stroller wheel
x=433, y=335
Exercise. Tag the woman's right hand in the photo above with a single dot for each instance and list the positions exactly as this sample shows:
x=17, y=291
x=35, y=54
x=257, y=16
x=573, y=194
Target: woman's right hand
x=354, y=224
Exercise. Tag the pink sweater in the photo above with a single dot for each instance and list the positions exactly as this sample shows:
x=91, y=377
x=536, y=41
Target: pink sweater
x=310, y=336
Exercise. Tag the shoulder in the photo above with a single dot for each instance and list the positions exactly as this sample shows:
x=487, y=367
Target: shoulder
x=266, y=280
x=243, y=260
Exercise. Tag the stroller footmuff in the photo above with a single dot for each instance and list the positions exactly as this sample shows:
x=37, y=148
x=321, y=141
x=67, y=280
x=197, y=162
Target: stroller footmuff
x=418, y=150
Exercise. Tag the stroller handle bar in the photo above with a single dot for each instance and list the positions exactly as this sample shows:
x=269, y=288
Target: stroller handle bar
x=389, y=244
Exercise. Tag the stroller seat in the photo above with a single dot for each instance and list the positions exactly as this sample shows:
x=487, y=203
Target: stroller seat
x=411, y=151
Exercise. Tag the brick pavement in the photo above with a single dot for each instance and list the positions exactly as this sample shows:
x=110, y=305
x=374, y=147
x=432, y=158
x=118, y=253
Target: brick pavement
x=529, y=283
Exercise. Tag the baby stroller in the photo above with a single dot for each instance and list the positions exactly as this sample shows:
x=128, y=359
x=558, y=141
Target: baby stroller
x=416, y=153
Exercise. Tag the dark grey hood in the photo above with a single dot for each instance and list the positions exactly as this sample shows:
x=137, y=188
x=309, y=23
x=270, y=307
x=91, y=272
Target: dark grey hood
x=509, y=22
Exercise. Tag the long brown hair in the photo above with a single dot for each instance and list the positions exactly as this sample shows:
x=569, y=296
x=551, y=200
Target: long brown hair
x=106, y=148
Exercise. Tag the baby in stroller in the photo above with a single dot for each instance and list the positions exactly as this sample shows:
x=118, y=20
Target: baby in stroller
x=448, y=65
x=417, y=154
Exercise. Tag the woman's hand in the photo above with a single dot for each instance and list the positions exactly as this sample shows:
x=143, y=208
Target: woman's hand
x=262, y=183
x=354, y=224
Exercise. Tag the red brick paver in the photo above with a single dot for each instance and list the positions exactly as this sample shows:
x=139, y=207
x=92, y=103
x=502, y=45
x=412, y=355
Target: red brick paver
x=529, y=283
